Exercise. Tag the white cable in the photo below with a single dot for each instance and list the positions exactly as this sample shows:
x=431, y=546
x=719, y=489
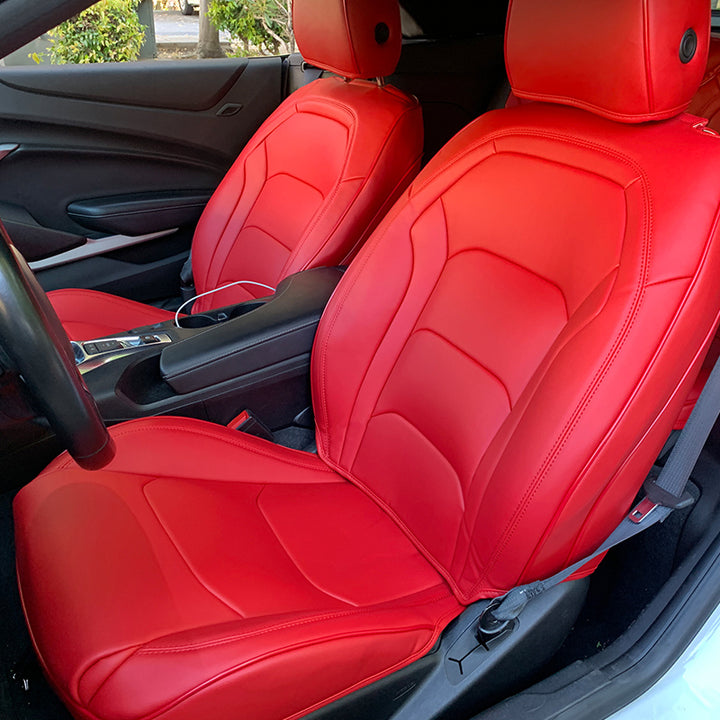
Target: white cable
x=217, y=289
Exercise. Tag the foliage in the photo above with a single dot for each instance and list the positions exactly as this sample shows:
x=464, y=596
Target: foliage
x=265, y=25
x=108, y=31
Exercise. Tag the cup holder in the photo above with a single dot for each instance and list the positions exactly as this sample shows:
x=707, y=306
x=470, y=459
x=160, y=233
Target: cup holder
x=214, y=317
x=192, y=322
x=244, y=308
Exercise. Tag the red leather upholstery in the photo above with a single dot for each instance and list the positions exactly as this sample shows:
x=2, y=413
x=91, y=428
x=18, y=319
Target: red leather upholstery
x=492, y=380
x=309, y=187
x=622, y=63
x=706, y=102
x=89, y=314
x=595, y=309
x=316, y=179
x=182, y=570
x=352, y=39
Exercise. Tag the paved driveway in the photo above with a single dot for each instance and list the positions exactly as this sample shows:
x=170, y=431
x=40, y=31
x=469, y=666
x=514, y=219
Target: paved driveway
x=172, y=26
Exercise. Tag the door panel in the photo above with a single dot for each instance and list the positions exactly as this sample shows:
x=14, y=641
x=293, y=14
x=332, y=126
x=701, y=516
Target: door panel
x=149, y=128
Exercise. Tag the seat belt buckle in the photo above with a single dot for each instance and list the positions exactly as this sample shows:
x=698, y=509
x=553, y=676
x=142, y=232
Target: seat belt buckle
x=641, y=511
x=247, y=423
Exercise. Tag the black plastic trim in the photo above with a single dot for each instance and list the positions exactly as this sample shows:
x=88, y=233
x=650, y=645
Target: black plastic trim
x=33, y=240
x=278, y=330
x=138, y=84
x=140, y=213
x=23, y=20
x=597, y=687
x=459, y=674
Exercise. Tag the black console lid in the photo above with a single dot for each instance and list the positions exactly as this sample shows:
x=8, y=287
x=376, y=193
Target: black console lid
x=282, y=328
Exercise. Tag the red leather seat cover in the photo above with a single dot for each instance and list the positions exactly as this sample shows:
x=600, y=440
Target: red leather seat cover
x=87, y=314
x=492, y=380
x=234, y=574
x=310, y=186
x=357, y=54
x=578, y=289
x=316, y=179
x=706, y=104
x=640, y=77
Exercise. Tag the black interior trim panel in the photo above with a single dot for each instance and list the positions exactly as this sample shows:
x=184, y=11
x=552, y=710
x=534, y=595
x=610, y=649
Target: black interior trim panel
x=33, y=240
x=279, y=330
x=140, y=213
x=143, y=84
x=24, y=20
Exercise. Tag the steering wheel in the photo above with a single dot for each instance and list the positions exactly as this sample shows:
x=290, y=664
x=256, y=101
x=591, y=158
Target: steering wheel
x=38, y=346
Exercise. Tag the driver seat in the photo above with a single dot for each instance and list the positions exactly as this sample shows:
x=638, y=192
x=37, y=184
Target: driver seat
x=492, y=380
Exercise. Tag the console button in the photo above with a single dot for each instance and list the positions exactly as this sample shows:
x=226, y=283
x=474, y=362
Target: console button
x=107, y=345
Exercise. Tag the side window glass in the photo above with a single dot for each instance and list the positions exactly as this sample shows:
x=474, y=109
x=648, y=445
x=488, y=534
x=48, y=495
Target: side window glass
x=130, y=30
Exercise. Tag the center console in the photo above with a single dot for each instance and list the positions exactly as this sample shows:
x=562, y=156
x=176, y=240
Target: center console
x=212, y=365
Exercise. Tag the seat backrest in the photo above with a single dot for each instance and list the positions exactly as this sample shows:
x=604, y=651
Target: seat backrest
x=504, y=359
x=324, y=168
x=706, y=102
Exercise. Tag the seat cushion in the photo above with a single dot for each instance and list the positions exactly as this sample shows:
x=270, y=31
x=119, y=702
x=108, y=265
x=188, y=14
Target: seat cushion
x=176, y=583
x=88, y=314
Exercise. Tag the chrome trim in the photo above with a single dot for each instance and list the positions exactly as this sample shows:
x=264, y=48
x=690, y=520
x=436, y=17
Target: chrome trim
x=130, y=343
x=97, y=246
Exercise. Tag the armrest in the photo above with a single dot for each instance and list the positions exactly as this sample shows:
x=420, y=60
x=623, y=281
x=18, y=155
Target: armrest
x=140, y=213
x=280, y=329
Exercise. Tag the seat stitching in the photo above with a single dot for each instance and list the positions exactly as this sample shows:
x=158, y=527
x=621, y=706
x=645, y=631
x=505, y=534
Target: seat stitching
x=596, y=381
x=191, y=647
x=365, y=181
x=126, y=431
x=435, y=626
x=214, y=273
x=472, y=359
x=292, y=559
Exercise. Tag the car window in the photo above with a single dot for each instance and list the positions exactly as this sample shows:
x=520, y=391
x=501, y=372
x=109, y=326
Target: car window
x=130, y=30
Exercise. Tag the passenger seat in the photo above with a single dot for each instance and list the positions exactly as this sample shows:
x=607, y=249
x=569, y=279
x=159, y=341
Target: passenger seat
x=312, y=183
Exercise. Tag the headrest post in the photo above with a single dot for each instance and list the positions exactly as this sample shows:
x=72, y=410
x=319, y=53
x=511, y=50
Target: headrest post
x=380, y=82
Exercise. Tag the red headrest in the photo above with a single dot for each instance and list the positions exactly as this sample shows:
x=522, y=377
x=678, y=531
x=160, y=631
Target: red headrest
x=353, y=38
x=627, y=60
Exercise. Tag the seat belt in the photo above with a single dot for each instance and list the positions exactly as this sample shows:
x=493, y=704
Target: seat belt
x=665, y=491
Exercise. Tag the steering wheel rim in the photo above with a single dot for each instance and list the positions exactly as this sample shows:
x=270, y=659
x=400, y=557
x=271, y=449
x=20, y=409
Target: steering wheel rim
x=38, y=346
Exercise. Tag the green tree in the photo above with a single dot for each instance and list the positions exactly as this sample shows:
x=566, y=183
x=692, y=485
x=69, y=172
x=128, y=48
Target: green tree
x=108, y=31
x=263, y=25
